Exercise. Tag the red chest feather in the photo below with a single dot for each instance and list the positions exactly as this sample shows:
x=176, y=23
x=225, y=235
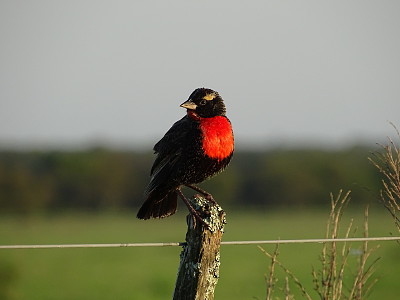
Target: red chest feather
x=218, y=140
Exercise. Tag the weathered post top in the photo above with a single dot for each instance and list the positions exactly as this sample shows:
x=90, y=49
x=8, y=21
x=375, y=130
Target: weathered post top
x=198, y=272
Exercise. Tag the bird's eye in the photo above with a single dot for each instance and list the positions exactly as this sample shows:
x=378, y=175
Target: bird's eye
x=203, y=102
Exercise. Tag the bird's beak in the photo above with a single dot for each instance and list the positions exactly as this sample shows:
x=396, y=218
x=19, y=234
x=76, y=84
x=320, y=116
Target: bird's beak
x=189, y=104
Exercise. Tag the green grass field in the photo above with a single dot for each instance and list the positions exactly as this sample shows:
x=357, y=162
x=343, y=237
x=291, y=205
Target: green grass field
x=150, y=273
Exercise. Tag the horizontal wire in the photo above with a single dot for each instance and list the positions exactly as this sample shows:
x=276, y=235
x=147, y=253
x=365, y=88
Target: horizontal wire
x=300, y=241
x=365, y=239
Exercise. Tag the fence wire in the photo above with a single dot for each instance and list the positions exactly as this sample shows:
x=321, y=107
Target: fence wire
x=260, y=242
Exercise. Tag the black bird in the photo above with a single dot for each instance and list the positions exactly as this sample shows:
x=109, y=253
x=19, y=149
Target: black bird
x=196, y=147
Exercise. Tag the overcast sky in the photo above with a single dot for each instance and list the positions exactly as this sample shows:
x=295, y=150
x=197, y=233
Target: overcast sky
x=115, y=72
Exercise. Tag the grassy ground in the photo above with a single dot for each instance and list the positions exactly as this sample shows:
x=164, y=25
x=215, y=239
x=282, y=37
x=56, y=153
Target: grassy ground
x=150, y=273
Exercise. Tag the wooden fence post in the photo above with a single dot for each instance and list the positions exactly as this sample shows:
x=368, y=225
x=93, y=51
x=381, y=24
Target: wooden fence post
x=200, y=258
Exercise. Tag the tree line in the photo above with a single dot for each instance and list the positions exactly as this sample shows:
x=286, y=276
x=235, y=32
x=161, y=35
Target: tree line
x=107, y=179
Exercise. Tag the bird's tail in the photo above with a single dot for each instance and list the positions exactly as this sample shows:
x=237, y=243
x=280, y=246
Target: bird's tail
x=158, y=206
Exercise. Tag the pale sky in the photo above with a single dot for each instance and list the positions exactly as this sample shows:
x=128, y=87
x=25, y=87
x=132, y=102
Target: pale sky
x=76, y=73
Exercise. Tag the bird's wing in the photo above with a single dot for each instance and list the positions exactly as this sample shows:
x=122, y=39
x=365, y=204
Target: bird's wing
x=169, y=150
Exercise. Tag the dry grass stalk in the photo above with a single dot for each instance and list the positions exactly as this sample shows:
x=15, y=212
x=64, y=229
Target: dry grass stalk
x=288, y=295
x=290, y=275
x=271, y=279
x=329, y=281
x=360, y=289
x=388, y=164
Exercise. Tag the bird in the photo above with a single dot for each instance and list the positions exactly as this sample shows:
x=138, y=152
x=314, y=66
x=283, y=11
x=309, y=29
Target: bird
x=195, y=148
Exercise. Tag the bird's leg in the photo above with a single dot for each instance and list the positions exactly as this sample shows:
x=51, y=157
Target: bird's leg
x=206, y=194
x=191, y=209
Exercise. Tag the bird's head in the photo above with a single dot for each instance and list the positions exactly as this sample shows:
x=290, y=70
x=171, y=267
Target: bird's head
x=205, y=103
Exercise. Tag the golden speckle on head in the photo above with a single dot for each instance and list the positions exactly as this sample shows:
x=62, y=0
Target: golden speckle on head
x=210, y=96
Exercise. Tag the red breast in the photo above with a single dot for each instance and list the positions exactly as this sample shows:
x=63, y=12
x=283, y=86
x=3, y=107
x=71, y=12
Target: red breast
x=218, y=141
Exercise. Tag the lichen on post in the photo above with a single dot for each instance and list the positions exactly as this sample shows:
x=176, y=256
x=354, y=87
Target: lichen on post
x=198, y=272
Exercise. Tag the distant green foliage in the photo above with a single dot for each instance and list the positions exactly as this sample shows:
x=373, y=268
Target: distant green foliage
x=304, y=177
x=8, y=277
x=102, y=179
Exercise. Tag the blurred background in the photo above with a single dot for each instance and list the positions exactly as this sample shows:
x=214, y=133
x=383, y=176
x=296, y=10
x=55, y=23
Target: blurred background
x=88, y=87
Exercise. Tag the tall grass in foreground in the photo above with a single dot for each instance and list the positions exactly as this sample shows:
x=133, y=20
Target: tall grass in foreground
x=338, y=277
x=335, y=279
x=388, y=164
